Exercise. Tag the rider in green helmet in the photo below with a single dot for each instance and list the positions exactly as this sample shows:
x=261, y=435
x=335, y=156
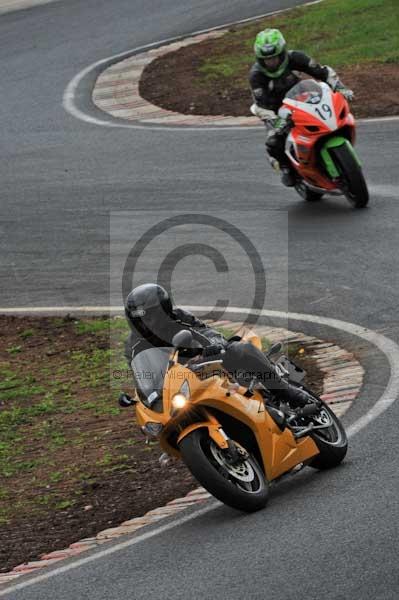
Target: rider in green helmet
x=272, y=75
x=271, y=53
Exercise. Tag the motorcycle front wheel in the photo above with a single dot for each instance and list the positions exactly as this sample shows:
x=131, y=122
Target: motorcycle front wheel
x=242, y=486
x=355, y=187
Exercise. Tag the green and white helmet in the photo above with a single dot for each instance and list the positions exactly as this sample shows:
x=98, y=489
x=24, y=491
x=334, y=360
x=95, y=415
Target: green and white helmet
x=270, y=52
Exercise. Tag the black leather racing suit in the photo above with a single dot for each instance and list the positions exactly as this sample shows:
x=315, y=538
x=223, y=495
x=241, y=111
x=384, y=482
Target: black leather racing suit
x=241, y=359
x=269, y=93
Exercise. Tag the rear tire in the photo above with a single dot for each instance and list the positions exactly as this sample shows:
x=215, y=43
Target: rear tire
x=332, y=443
x=201, y=456
x=355, y=188
x=307, y=194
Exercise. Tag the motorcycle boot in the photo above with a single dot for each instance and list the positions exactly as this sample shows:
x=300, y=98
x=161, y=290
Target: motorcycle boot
x=293, y=395
x=278, y=160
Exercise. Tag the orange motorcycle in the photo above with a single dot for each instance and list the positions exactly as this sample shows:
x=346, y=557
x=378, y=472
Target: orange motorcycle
x=235, y=440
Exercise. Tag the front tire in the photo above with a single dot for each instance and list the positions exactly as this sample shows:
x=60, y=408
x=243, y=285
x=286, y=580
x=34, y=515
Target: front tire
x=355, y=187
x=242, y=486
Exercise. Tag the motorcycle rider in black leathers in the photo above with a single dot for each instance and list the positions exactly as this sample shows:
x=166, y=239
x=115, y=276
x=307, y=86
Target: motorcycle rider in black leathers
x=154, y=322
x=270, y=78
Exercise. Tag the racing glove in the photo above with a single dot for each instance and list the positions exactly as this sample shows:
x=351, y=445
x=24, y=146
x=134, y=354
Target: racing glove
x=336, y=84
x=264, y=114
x=348, y=94
x=213, y=350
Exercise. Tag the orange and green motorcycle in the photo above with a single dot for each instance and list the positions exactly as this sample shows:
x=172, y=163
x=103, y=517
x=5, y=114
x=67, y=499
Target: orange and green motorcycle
x=235, y=440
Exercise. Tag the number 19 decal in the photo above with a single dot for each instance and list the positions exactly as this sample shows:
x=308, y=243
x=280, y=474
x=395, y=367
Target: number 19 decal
x=326, y=111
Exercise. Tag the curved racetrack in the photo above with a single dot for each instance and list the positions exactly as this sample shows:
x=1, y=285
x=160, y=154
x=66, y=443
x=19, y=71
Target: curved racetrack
x=331, y=535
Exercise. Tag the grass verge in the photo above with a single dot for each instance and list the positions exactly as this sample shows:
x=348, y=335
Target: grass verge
x=336, y=32
x=357, y=38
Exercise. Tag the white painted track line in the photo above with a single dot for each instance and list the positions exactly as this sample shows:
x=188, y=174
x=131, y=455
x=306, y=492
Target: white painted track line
x=130, y=542
x=49, y=310
x=387, y=346
x=13, y=5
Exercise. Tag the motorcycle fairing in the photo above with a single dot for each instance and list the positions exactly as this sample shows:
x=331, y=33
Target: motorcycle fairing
x=279, y=450
x=323, y=112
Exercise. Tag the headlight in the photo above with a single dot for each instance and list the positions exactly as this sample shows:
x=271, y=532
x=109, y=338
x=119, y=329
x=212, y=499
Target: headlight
x=179, y=401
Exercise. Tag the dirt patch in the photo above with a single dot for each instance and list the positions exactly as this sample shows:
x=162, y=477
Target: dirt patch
x=375, y=84
x=71, y=461
x=190, y=93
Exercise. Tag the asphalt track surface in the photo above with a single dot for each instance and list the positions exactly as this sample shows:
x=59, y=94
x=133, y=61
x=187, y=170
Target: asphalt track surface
x=74, y=194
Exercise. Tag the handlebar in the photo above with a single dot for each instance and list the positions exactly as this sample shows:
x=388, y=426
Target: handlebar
x=198, y=366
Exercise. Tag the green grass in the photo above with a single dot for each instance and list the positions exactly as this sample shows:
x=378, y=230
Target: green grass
x=63, y=504
x=107, y=459
x=36, y=398
x=335, y=32
x=20, y=390
x=27, y=333
x=94, y=326
x=14, y=349
x=227, y=332
x=56, y=476
x=14, y=416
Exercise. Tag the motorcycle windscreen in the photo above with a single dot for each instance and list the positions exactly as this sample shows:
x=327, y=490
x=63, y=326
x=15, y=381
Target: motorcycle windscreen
x=149, y=368
x=308, y=91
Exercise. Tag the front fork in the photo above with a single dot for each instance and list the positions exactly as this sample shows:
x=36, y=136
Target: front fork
x=214, y=428
x=335, y=142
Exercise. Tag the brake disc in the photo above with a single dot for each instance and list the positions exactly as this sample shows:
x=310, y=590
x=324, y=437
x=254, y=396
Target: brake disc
x=242, y=470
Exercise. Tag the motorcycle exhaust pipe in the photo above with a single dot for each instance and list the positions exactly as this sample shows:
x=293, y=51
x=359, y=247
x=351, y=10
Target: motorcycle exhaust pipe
x=304, y=432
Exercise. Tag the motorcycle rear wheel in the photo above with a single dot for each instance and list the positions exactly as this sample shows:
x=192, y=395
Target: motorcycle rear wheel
x=307, y=194
x=331, y=442
x=355, y=190
x=242, y=486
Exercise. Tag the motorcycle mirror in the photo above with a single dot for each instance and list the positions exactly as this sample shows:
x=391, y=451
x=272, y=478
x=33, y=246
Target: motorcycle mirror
x=125, y=400
x=182, y=339
x=275, y=349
